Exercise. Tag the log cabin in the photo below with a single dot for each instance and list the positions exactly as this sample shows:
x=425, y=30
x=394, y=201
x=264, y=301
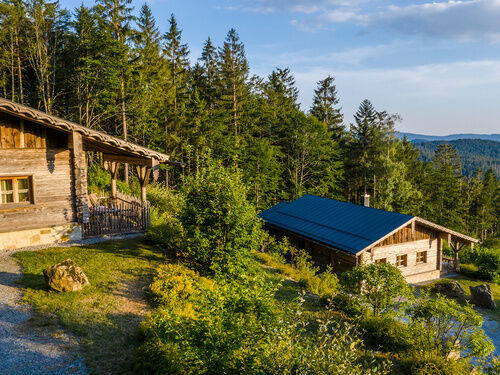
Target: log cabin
x=344, y=235
x=43, y=180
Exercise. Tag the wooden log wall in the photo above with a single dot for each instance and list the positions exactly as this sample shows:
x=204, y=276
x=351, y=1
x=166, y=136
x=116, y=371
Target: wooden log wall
x=27, y=149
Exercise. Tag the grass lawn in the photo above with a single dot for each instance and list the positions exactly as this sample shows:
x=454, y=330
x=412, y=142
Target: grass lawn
x=105, y=315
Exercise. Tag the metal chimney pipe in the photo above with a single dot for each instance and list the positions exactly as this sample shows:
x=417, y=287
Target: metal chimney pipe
x=366, y=200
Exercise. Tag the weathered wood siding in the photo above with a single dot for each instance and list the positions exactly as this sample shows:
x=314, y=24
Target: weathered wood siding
x=28, y=149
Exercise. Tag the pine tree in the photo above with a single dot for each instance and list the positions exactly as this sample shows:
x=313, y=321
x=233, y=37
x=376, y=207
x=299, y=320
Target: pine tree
x=443, y=189
x=149, y=81
x=324, y=106
x=46, y=28
x=118, y=15
x=176, y=54
x=233, y=89
x=12, y=48
x=208, y=87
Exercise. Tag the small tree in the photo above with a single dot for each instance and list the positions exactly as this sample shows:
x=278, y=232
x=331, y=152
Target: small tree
x=220, y=226
x=381, y=286
x=442, y=326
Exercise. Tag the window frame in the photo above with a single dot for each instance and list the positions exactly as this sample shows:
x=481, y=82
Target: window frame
x=381, y=261
x=424, y=254
x=16, y=191
x=402, y=260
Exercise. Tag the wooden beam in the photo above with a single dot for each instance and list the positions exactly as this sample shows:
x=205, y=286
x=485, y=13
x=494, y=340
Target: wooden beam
x=113, y=168
x=143, y=173
x=413, y=230
x=127, y=159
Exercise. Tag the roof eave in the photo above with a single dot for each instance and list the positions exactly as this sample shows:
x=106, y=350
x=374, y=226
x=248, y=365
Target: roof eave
x=31, y=114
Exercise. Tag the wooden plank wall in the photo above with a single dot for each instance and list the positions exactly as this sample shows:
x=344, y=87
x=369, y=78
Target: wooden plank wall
x=34, y=155
x=405, y=235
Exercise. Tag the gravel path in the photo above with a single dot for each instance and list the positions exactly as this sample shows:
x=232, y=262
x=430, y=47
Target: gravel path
x=24, y=347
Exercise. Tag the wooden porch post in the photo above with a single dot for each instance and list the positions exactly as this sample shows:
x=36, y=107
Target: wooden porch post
x=143, y=174
x=113, y=167
x=75, y=143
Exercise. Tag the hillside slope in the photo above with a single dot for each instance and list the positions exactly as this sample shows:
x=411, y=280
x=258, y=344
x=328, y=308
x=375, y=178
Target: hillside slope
x=474, y=153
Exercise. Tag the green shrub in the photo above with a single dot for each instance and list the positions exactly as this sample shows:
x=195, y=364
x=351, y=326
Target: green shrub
x=436, y=365
x=351, y=307
x=386, y=334
x=220, y=226
x=488, y=263
x=301, y=268
x=205, y=327
x=381, y=286
x=439, y=324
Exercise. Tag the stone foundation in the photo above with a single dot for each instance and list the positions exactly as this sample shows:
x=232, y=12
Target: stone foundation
x=40, y=236
x=423, y=277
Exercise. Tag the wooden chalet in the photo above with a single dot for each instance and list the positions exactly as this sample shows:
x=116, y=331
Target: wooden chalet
x=344, y=235
x=43, y=180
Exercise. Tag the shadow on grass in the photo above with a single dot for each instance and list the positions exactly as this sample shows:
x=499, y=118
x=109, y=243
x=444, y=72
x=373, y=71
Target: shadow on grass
x=109, y=346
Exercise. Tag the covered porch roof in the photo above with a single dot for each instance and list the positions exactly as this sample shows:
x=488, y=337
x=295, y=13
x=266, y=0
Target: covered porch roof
x=113, y=148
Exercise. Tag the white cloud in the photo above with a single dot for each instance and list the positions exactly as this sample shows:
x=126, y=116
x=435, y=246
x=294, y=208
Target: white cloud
x=433, y=99
x=296, y=6
x=465, y=20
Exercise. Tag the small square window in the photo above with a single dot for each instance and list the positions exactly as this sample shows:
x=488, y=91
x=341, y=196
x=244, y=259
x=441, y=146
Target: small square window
x=401, y=260
x=382, y=260
x=422, y=257
x=15, y=190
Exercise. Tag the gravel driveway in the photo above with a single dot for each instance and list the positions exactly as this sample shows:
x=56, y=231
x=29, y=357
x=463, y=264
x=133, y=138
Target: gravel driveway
x=25, y=348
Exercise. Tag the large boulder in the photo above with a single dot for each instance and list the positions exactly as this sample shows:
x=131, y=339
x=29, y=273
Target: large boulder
x=482, y=295
x=65, y=277
x=449, y=288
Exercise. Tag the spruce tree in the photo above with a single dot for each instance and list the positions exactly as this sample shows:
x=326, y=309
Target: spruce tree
x=233, y=90
x=324, y=107
x=149, y=79
x=176, y=53
x=209, y=62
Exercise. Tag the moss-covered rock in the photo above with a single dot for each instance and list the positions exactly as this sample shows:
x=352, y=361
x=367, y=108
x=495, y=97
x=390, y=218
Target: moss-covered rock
x=65, y=277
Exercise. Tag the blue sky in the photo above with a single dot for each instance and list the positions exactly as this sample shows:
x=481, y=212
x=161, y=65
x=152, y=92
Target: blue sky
x=437, y=64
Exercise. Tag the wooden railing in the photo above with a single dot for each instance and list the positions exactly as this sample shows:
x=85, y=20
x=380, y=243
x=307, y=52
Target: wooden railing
x=119, y=215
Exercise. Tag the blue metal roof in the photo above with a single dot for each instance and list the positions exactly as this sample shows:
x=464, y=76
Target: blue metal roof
x=345, y=226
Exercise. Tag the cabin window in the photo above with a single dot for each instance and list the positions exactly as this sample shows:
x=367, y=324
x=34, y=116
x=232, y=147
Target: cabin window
x=422, y=257
x=15, y=190
x=401, y=260
x=382, y=260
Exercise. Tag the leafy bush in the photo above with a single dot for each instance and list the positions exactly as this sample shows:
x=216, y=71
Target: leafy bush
x=220, y=226
x=441, y=326
x=301, y=268
x=380, y=286
x=205, y=327
x=351, y=307
x=386, y=334
x=488, y=263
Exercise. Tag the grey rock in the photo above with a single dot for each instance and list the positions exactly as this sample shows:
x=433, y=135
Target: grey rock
x=482, y=295
x=451, y=289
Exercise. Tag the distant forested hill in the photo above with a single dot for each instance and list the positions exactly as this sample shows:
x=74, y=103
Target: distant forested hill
x=452, y=137
x=474, y=153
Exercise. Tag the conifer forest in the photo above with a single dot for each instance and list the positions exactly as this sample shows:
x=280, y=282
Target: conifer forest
x=110, y=68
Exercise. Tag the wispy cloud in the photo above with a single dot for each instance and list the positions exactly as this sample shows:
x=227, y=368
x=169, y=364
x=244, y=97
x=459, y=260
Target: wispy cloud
x=296, y=6
x=460, y=93
x=463, y=20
